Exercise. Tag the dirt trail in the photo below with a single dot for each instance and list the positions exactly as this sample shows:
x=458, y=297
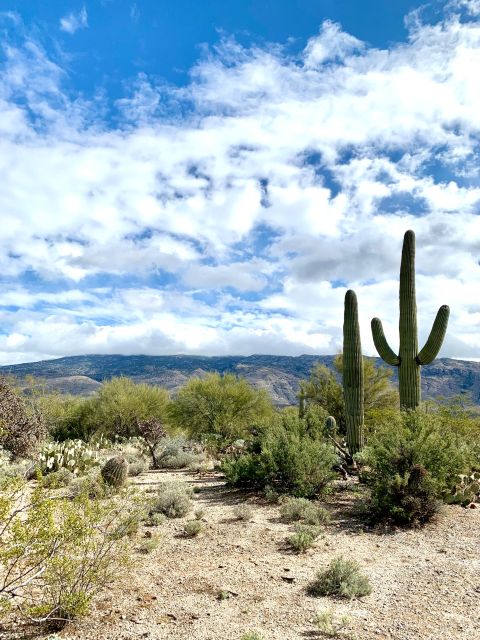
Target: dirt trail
x=238, y=576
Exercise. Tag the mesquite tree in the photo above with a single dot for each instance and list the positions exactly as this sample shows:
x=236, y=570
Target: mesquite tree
x=409, y=359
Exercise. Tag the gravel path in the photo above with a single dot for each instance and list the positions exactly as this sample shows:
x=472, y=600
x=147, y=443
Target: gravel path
x=238, y=576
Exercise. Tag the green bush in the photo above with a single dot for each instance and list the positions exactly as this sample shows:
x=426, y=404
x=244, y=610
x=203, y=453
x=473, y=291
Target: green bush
x=192, y=528
x=284, y=457
x=56, y=554
x=294, y=509
x=341, y=578
x=303, y=538
x=412, y=463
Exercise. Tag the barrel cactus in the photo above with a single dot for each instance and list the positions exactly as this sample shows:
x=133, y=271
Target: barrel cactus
x=331, y=426
x=409, y=359
x=353, y=385
x=114, y=472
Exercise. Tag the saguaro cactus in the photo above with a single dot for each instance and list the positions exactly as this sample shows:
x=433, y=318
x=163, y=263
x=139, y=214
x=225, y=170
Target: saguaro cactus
x=353, y=386
x=409, y=360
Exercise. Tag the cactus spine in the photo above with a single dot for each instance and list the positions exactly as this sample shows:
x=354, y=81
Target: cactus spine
x=353, y=384
x=114, y=472
x=409, y=360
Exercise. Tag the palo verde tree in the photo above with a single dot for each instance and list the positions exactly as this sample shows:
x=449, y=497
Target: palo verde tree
x=409, y=359
x=219, y=404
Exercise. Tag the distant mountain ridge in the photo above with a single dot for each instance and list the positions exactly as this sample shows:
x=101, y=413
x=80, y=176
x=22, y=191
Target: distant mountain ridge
x=280, y=375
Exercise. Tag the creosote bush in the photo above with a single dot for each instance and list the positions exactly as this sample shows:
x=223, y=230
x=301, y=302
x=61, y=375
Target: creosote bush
x=341, y=578
x=412, y=464
x=56, y=554
x=288, y=455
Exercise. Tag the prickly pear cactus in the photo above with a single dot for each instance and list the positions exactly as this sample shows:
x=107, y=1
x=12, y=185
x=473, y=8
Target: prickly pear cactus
x=115, y=471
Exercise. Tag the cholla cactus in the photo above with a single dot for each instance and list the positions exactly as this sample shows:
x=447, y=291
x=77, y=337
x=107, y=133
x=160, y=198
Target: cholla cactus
x=115, y=471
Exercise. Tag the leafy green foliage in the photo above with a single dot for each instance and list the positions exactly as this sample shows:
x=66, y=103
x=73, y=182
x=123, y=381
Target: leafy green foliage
x=341, y=578
x=284, y=457
x=323, y=389
x=122, y=404
x=57, y=554
x=223, y=405
x=67, y=417
x=413, y=462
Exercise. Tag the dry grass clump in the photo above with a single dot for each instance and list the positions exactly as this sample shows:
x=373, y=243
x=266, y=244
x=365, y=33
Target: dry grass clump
x=243, y=512
x=192, y=528
x=173, y=500
x=303, y=538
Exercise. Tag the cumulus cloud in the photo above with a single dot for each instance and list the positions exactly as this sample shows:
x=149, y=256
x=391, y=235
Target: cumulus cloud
x=230, y=215
x=72, y=22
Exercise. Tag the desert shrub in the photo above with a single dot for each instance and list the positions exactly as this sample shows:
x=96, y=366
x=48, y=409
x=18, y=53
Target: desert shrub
x=192, y=528
x=61, y=478
x=294, y=509
x=173, y=500
x=412, y=463
x=57, y=554
x=243, y=512
x=91, y=485
x=251, y=635
x=333, y=627
x=153, y=432
x=22, y=428
x=219, y=404
x=155, y=519
x=173, y=454
x=303, y=538
x=136, y=467
x=149, y=543
x=341, y=578
x=199, y=514
x=286, y=458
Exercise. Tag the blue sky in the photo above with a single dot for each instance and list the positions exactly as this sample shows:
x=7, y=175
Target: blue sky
x=186, y=177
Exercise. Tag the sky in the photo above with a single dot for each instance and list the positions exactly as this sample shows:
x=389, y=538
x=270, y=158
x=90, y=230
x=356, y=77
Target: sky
x=211, y=177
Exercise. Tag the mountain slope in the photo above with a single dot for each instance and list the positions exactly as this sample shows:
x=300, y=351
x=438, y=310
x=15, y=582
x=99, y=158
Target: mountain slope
x=280, y=375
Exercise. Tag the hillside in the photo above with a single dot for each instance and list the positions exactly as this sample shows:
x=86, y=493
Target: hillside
x=280, y=375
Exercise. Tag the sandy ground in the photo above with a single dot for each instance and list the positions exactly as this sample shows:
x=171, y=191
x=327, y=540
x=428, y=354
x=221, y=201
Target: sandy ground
x=237, y=577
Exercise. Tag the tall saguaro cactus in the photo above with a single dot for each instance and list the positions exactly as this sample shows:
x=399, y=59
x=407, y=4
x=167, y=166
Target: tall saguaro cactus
x=353, y=386
x=409, y=360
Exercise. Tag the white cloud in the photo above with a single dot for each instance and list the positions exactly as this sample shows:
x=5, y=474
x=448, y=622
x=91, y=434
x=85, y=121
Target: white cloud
x=72, y=22
x=289, y=180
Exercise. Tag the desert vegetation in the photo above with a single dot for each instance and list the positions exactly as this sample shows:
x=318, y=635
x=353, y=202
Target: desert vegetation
x=90, y=485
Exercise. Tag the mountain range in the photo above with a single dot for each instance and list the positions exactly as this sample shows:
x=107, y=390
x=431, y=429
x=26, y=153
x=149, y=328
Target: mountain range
x=279, y=375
